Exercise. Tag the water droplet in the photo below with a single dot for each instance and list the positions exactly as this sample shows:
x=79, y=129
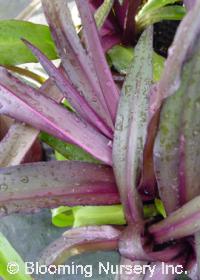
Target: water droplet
x=171, y=51
x=3, y=211
x=195, y=132
x=198, y=105
x=3, y=187
x=24, y=179
x=106, y=71
x=94, y=99
x=110, y=144
x=108, y=83
x=128, y=90
x=77, y=119
x=119, y=124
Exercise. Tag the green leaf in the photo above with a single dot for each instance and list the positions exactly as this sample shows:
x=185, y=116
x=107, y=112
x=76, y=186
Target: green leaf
x=102, y=12
x=131, y=126
x=12, y=49
x=150, y=211
x=79, y=216
x=63, y=216
x=66, y=150
x=121, y=57
x=153, y=5
x=8, y=255
x=160, y=207
x=164, y=13
x=176, y=148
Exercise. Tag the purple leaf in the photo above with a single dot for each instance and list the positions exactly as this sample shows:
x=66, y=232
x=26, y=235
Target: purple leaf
x=77, y=101
x=28, y=105
x=76, y=62
x=180, y=51
x=110, y=40
x=131, y=125
x=134, y=246
x=79, y=240
x=16, y=144
x=183, y=222
x=177, y=144
x=104, y=75
x=29, y=187
x=166, y=152
x=176, y=149
x=189, y=136
x=102, y=12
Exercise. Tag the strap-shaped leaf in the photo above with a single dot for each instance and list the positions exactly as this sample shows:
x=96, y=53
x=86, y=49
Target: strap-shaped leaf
x=179, y=52
x=77, y=101
x=102, y=12
x=28, y=105
x=181, y=223
x=131, y=124
x=76, y=63
x=167, y=147
x=151, y=6
x=29, y=187
x=134, y=246
x=103, y=72
x=20, y=138
x=174, y=12
x=80, y=240
x=16, y=144
x=177, y=147
x=190, y=134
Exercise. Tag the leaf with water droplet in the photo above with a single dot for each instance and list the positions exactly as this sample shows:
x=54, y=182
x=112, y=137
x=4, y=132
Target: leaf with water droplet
x=130, y=128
